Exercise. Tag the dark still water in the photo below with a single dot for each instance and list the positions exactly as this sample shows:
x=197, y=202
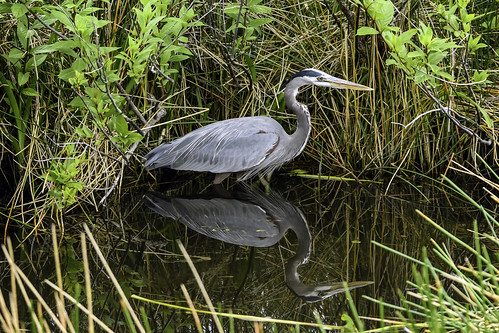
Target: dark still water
x=280, y=253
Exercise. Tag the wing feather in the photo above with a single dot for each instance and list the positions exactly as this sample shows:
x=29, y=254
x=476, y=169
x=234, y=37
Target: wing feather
x=228, y=146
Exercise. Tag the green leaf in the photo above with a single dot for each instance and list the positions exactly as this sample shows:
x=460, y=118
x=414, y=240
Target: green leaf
x=178, y=57
x=67, y=74
x=233, y=11
x=391, y=62
x=362, y=31
x=79, y=65
x=421, y=77
x=61, y=17
x=253, y=2
x=435, y=57
x=119, y=124
x=425, y=34
x=22, y=78
x=406, y=36
x=416, y=54
x=382, y=12
x=480, y=76
x=133, y=137
x=251, y=66
x=83, y=131
x=14, y=55
x=22, y=33
x=29, y=92
x=259, y=9
x=18, y=10
x=35, y=60
x=186, y=15
x=65, y=46
x=258, y=22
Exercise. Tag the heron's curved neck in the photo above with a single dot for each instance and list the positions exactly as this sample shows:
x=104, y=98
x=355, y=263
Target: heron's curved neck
x=300, y=136
x=300, y=228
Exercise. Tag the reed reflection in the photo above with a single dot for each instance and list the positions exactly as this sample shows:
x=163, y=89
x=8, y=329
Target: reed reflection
x=247, y=217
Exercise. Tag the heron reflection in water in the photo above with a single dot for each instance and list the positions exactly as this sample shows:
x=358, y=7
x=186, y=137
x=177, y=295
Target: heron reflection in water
x=250, y=219
x=247, y=145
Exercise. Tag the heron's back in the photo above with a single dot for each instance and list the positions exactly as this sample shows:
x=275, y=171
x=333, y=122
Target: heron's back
x=234, y=145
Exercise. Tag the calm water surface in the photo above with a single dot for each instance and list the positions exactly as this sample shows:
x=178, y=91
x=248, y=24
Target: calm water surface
x=280, y=252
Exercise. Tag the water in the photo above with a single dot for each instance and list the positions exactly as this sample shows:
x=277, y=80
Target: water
x=281, y=254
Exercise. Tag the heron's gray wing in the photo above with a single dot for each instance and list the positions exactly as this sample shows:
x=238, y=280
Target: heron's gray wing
x=227, y=146
x=228, y=220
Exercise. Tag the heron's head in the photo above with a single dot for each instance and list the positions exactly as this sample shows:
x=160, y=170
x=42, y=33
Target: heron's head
x=321, y=79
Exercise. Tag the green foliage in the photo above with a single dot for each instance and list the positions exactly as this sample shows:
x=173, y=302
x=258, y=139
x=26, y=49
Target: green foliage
x=157, y=37
x=248, y=19
x=89, y=66
x=424, y=57
x=451, y=296
x=62, y=174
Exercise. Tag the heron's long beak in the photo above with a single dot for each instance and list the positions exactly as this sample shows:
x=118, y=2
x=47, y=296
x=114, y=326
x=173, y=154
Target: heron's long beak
x=344, y=84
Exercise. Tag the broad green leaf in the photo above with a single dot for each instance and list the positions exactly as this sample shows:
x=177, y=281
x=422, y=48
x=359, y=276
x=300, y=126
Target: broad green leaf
x=108, y=49
x=65, y=46
x=154, y=22
x=382, y=12
x=233, y=11
x=18, y=10
x=79, y=65
x=35, y=60
x=14, y=55
x=22, y=78
x=67, y=74
x=173, y=26
x=61, y=17
x=258, y=22
x=119, y=124
x=29, y=92
x=425, y=34
x=435, y=57
x=133, y=137
x=362, y=31
x=480, y=76
x=186, y=14
x=253, y=2
x=446, y=75
x=407, y=35
x=251, y=66
x=22, y=33
x=259, y=9
x=178, y=57
x=391, y=62
x=421, y=77
x=416, y=54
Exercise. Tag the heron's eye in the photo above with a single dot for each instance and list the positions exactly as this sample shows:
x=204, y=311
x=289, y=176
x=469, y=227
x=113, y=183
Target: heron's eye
x=320, y=78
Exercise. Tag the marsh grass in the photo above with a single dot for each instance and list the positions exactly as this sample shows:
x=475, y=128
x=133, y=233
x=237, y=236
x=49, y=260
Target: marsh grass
x=353, y=134
x=74, y=313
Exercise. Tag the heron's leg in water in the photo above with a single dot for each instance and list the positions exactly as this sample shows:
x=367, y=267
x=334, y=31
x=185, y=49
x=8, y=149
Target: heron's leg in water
x=265, y=180
x=220, y=177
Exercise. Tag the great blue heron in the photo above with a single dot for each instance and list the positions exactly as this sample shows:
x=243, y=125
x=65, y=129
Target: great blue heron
x=249, y=218
x=248, y=145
